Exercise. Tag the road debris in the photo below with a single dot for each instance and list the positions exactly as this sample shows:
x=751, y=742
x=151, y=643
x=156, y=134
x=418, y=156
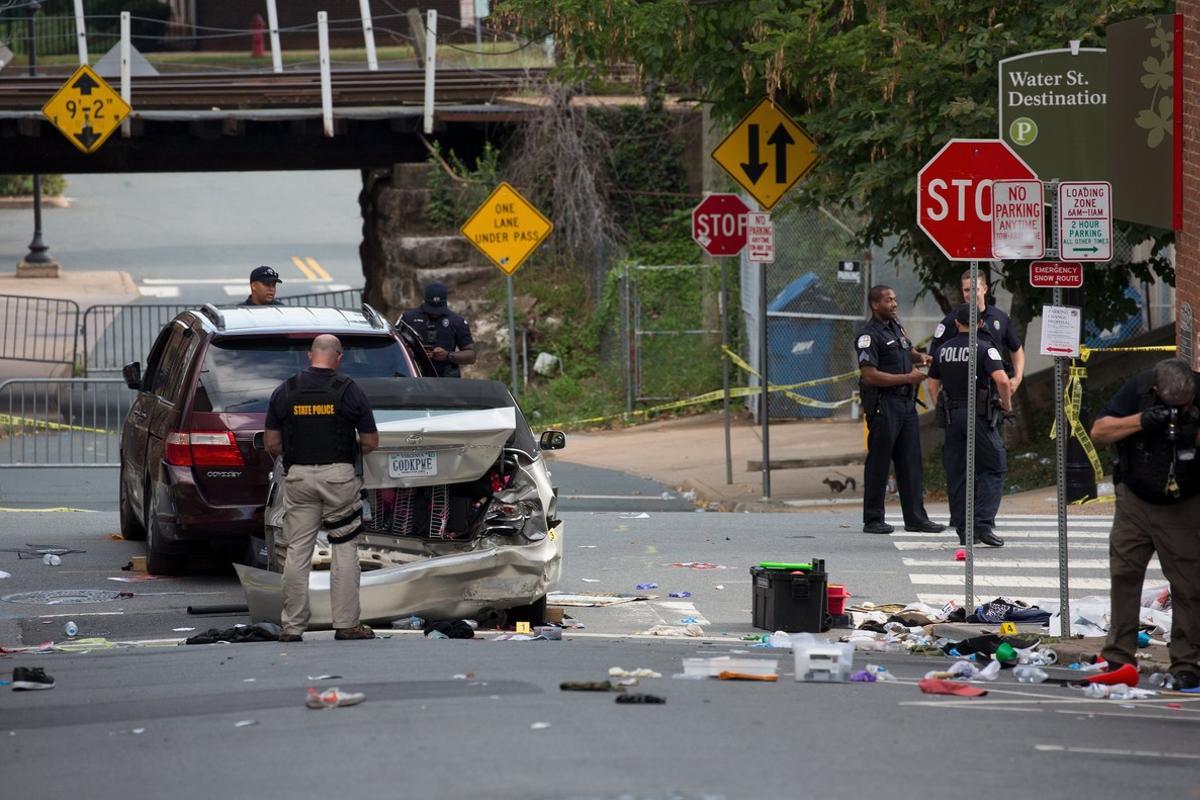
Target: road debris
x=640, y=699
x=956, y=688
x=238, y=634
x=640, y=672
x=590, y=686
x=332, y=698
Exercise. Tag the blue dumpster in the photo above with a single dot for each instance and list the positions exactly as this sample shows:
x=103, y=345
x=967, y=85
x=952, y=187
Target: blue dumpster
x=801, y=349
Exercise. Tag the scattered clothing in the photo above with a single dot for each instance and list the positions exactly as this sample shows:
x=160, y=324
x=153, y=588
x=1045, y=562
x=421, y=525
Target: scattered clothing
x=451, y=629
x=939, y=686
x=647, y=699
x=259, y=632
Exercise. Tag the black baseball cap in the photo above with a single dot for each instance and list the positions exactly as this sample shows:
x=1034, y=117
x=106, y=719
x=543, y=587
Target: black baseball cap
x=265, y=275
x=435, y=295
x=963, y=314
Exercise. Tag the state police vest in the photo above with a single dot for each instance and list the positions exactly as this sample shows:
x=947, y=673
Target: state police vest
x=1147, y=461
x=314, y=432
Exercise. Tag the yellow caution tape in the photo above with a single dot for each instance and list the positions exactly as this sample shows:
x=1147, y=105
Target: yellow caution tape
x=1072, y=399
x=1085, y=352
x=734, y=391
x=1087, y=501
x=29, y=422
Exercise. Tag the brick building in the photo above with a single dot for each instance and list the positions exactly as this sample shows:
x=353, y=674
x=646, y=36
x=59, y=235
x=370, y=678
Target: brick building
x=1187, y=239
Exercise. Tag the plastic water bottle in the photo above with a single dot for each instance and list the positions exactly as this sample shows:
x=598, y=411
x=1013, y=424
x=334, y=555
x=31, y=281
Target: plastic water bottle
x=70, y=629
x=1029, y=674
x=1162, y=680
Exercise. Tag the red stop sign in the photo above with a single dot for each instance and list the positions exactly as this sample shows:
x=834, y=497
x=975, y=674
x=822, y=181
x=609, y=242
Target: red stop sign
x=719, y=224
x=954, y=194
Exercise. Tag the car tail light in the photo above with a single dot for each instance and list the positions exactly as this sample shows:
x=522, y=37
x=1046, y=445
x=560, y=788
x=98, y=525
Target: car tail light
x=203, y=449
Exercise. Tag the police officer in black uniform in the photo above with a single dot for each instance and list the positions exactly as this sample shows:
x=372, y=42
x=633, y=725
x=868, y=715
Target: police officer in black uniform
x=1154, y=420
x=263, y=285
x=996, y=325
x=949, y=386
x=888, y=384
x=311, y=421
x=446, y=335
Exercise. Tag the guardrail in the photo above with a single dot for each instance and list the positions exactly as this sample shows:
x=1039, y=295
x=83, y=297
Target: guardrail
x=39, y=329
x=114, y=335
x=343, y=298
x=62, y=422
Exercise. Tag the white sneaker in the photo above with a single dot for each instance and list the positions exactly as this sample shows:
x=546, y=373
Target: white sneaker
x=332, y=698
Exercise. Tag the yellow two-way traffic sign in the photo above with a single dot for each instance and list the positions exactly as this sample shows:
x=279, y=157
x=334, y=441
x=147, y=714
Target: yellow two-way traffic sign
x=86, y=109
x=506, y=228
x=766, y=153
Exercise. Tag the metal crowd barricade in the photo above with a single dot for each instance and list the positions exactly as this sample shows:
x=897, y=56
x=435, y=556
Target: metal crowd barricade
x=342, y=298
x=114, y=335
x=62, y=422
x=39, y=329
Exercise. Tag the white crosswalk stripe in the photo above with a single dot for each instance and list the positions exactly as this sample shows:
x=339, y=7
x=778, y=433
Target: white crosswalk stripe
x=1026, y=568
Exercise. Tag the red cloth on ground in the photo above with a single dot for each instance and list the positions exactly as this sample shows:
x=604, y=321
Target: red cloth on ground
x=938, y=686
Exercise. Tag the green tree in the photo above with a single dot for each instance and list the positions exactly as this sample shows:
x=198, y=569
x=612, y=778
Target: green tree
x=881, y=86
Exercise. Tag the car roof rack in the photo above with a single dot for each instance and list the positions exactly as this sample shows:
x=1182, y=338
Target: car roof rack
x=374, y=317
x=214, y=314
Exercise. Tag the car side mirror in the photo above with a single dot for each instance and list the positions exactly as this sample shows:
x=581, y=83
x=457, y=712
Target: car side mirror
x=552, y=440
x=133, y=375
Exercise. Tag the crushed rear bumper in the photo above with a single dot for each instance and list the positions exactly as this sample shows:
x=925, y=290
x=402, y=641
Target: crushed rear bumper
x=456, y=586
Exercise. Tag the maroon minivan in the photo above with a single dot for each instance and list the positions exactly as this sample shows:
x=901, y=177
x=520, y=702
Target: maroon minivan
x=193, y=468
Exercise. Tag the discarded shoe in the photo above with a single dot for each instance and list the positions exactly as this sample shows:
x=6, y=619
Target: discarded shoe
x=359, y=631
x=648, y=699
x=1117, y=673
x=1186, y=679
x=928, y=526
x=26, y=679
x=332, y=698
x=291, y=637
x=877, y=527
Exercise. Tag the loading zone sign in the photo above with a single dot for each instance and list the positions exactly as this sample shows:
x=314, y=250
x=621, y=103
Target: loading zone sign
x=1085, y=221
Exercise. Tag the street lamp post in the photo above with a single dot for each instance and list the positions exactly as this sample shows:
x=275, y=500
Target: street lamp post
x=36, y=264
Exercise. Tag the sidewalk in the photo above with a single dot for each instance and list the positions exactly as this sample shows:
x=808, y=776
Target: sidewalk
x=689, y=454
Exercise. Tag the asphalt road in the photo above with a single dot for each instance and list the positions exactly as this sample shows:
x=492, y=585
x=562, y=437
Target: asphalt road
x=452, y=719
x=184, y=238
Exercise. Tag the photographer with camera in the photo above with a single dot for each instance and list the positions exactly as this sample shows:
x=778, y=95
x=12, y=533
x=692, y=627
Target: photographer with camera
x=446, y=335
x=1154, y=421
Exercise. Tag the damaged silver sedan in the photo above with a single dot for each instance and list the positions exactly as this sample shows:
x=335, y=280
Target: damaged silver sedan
x=459, y=512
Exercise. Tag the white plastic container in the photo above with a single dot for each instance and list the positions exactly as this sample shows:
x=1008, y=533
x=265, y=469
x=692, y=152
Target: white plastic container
x=712, y=667
x=823, y=662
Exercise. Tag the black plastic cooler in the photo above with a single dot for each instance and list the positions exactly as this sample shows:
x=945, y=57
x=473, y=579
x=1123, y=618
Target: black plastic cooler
x=791, y=600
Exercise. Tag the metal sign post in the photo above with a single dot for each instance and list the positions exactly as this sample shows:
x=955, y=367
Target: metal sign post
x=722, y=303
x=1060, y=438
x=512, y=337
x=764, y=402
x=972, y=368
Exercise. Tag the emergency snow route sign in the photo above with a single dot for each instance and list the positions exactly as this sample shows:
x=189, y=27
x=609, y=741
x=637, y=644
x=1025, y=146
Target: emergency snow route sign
x=506, y=228
x=1018, y=223
x=86, y=109
x=1085, y=221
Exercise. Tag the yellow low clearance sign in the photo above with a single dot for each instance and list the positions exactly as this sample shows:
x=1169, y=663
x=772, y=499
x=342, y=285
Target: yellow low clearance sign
x=506, y=228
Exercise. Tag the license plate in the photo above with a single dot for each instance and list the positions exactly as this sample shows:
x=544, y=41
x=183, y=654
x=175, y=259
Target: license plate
x=411, y=464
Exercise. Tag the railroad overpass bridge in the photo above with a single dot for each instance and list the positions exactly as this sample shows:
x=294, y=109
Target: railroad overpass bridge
x=235, y=121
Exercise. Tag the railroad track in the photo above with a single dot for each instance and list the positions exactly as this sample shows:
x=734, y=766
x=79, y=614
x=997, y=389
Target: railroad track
x=291, y=89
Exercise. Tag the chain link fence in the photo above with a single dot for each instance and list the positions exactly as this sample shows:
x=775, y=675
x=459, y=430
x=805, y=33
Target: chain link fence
x=816, y=300
x=672, y=322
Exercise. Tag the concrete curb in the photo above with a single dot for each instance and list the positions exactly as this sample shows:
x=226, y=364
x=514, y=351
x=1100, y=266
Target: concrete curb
x=26, y=201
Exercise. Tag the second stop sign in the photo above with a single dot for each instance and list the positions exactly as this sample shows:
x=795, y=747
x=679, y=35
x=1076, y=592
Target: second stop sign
x=719, y=224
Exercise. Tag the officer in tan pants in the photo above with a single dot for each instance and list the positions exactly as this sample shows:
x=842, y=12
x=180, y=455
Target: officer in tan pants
x=312, y=421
